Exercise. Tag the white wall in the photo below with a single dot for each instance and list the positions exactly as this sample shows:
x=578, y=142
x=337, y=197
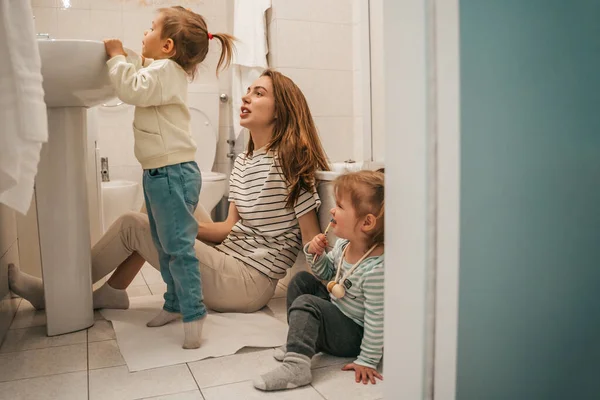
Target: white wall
x=127, y=20
x=377, y=82
x=317, y=44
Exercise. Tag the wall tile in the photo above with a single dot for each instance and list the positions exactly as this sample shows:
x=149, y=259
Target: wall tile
x=106, y=24
x=330, y=46
x=44, y=3
x=333, y=92
x=137, y=5
x=359, y=96
x=46, y=20
x=75, y=4
x=294, y=44
x=335, y=11
x=73, y=24
x=114, y=5
x=334, y=133
x=356, y=46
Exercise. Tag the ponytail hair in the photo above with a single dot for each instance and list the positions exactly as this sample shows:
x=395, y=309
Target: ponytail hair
x=227, y=49
x=191, y=38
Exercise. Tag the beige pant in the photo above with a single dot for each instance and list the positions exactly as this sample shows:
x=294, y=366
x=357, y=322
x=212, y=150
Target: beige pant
x=228, y=285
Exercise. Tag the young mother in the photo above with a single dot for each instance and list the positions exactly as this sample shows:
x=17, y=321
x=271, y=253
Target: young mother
x=272, y=212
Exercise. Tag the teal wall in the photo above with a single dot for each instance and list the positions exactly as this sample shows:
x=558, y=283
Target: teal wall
x=529, y=307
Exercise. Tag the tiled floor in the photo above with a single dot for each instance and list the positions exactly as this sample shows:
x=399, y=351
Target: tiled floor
x=88, y=365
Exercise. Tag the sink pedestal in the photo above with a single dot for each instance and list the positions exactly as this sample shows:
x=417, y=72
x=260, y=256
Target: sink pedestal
x=64, y=226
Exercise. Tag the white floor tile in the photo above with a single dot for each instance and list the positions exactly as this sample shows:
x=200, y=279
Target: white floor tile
x=36, y=338
x=71, y=386
x=245, y=391
x=42, y=362
x=277, y=308
x=104, y=354
x=325, y=360
x=102, y=330
x=194, y=395
x=151, y=275
x=234, y=368
x=118, y=383
x=138, y=291
x=158, y=288
x=27, y=316
x=335, y=384
x=138, y=281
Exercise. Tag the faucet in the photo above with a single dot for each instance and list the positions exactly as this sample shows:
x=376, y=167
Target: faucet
x=42, y=36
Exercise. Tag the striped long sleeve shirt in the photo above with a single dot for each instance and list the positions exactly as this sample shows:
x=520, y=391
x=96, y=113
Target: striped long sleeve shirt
x=363, y=302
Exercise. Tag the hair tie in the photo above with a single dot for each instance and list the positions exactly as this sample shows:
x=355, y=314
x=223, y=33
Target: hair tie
x=210, y=36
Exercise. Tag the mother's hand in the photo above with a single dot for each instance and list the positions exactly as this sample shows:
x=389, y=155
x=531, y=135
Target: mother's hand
x=216, y=232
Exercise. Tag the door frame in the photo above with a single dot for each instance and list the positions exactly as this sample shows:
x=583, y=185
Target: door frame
x=422, y=133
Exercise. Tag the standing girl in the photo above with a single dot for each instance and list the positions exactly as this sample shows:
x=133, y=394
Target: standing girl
x=157, y=84
x=344, y=318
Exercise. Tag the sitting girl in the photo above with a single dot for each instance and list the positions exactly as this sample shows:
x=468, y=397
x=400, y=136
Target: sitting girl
x=344, y=318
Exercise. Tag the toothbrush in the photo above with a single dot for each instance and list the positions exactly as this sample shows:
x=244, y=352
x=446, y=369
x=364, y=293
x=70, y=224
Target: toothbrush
x=324, y=233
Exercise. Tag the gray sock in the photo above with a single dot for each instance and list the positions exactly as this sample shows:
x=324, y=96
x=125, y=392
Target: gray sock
x=28, y=287
x=108, y=297
x=193, y=333
x=163, y=318
x=279, y=353
x=294, y=372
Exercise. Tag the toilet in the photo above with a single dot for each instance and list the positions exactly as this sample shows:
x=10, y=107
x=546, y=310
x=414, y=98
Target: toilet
x=203, y=102
x=118, y=197
x=325, y=189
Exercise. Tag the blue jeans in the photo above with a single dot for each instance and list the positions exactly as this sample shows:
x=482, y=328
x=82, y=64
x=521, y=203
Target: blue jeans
x=171, y=195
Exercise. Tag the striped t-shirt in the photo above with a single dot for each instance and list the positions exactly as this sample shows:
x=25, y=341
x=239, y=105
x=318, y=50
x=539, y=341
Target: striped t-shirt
x=363, y=302
x=267, y=236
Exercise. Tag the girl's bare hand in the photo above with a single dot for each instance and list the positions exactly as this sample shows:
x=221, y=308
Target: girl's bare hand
x=318, y=245
x=114, y=47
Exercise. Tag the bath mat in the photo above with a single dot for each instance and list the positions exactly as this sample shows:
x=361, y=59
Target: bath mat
x=223, y=334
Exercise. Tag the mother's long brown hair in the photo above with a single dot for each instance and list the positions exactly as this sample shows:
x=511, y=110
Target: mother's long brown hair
x=295, y=137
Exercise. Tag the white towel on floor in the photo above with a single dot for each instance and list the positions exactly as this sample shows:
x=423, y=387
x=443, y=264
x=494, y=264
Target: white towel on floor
x=23, y=119
x=223, y=334
x=250, y=59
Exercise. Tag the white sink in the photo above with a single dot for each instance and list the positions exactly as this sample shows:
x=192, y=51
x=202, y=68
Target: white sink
x=75, y=78
x=75, y=73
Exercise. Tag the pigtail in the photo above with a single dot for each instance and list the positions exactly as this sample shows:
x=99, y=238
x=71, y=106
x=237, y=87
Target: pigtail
x=227, y=49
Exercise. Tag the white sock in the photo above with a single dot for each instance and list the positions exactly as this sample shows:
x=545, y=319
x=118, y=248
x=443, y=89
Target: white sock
x=163, y=318
x=294, y=372
x=28, y=287
x=108, y=297
x=279, y=353
x=193, y=333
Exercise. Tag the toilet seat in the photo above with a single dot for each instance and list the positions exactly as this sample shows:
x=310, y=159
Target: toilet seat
x=209, y=176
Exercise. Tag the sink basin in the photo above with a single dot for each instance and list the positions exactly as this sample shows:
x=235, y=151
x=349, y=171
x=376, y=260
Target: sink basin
x=75, y=73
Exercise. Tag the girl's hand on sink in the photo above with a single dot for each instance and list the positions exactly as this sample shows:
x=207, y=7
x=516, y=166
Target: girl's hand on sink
x=114, y=47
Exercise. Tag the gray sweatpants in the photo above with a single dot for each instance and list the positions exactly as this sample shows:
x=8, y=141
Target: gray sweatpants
x=315, y=323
